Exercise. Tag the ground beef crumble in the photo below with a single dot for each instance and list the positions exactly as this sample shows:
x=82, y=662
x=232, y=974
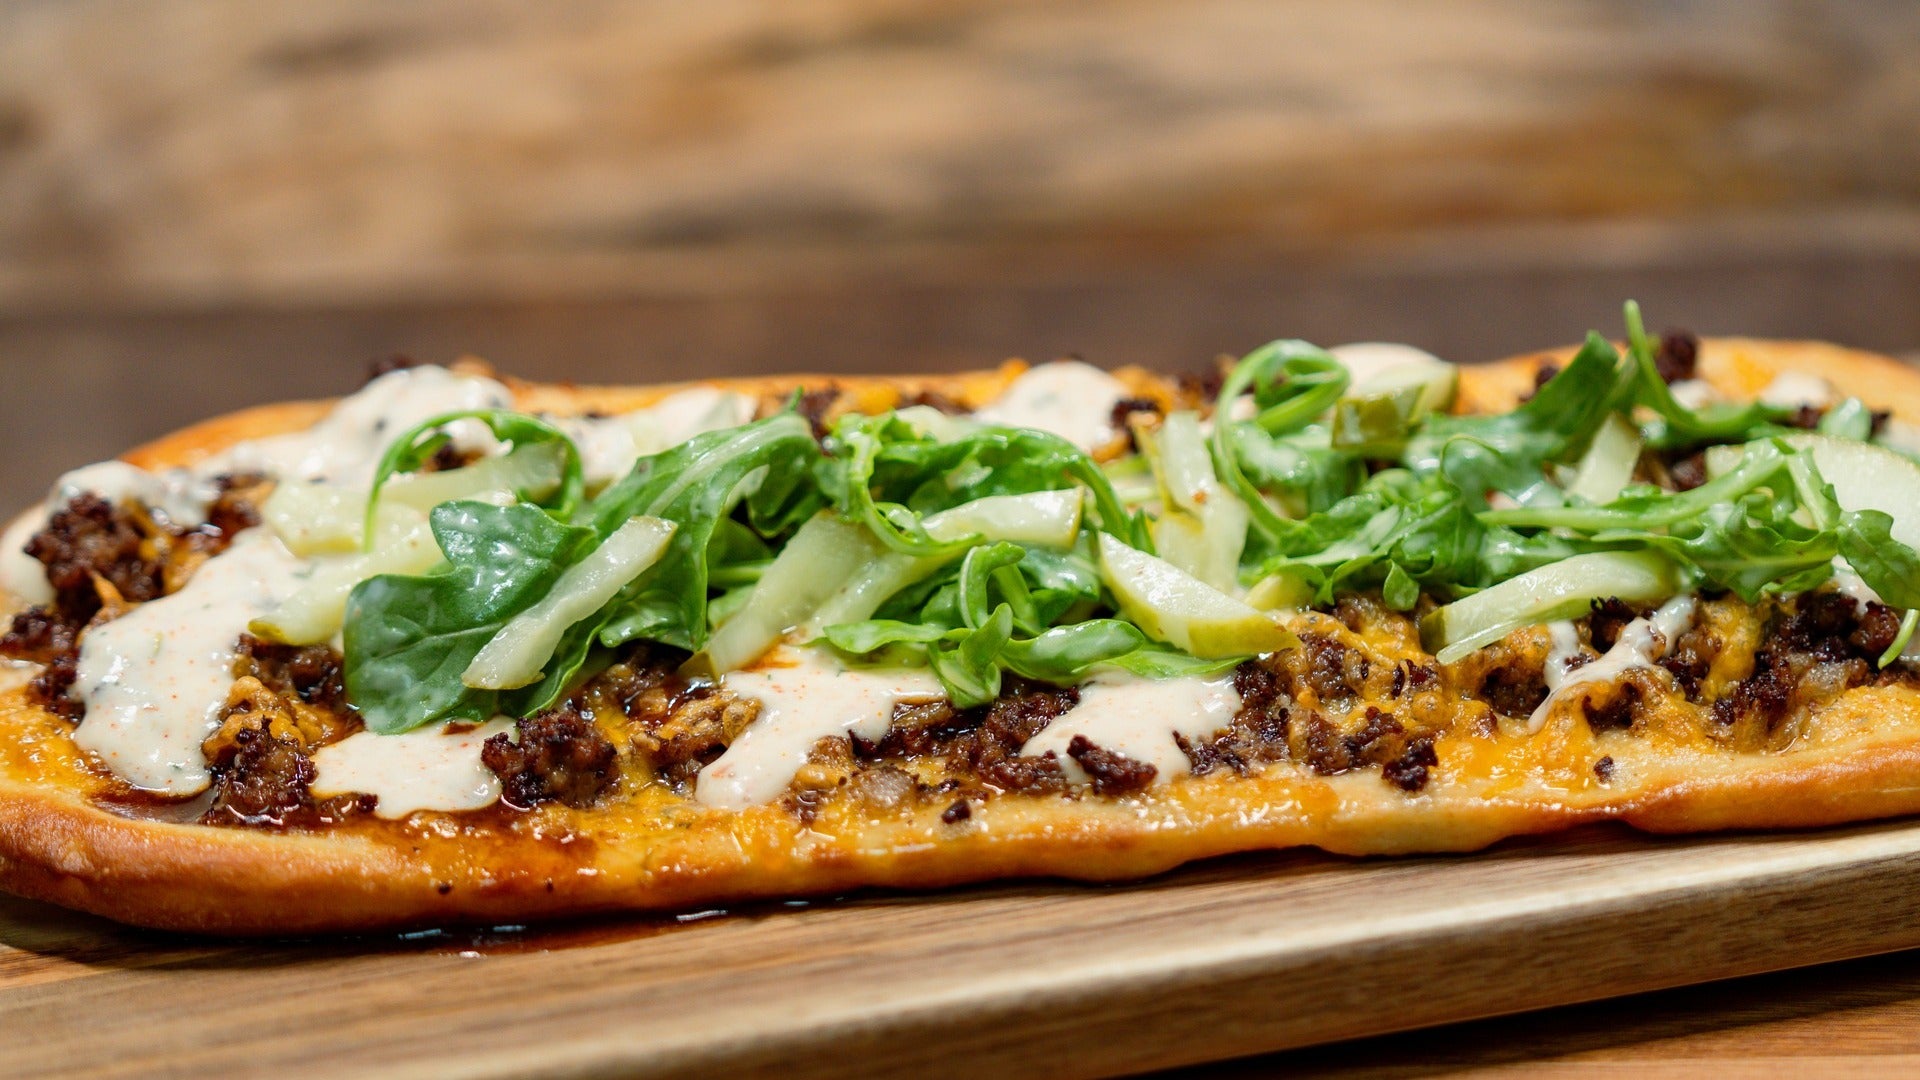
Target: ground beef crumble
x=1818, y=647
x=1678, y=356
x=560, y=754
x=1258, y=733
x=1110, y=773
x=99, y=559
x=312, y=673
x=261, y=757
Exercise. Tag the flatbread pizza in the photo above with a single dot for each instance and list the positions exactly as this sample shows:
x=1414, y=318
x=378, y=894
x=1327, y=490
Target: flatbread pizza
x=463, y=649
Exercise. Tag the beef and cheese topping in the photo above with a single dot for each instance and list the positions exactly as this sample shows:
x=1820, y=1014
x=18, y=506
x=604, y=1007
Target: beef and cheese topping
x=1079, y=586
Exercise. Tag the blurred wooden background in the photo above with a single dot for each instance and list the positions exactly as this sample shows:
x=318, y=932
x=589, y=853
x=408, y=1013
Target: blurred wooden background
x=210, y=202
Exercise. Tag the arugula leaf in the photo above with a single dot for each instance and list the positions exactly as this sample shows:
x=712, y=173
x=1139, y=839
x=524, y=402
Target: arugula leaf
x=408, y=640
x=967, y=661
x=1508, y=452
x=1889, y=567
x=1645, y=507
x=1680, y=426
x=1293, y=383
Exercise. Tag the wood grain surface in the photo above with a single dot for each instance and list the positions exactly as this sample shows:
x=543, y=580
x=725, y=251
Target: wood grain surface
x=225, y=151
x=1224, y=959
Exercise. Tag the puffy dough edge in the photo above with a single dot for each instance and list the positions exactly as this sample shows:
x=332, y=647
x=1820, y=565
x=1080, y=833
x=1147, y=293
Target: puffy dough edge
x=58, y=847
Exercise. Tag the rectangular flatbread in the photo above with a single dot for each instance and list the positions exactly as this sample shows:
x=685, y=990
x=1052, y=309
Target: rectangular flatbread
x=459, y=648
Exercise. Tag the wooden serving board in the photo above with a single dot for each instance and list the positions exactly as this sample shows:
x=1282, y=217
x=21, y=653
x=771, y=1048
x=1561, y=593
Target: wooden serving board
x=1224, y=959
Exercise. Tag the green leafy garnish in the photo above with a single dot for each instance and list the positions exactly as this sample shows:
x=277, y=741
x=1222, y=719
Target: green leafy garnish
x=418, y=446
x=987, y=552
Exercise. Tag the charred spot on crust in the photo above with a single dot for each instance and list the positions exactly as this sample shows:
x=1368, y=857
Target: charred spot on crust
x=561, y=755
x=1603, y=769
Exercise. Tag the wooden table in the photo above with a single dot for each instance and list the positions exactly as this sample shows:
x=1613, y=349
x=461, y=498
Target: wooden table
x=1858, y=1018
x=895, y=979
x=74, y=388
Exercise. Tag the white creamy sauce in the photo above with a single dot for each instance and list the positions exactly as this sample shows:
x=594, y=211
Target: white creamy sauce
x=15, y=674
x=1071, y=399
x=1852, y=586
x=428, y=769
x=1565, y=645
x=22, y=575
x=1366, y=359
x=179, y=495
x=155, y=680
x=1138, y=718
x=1694, y=393
x=1791, y=389
x=1639, y=645
x=609, y=445
x=345, y=447
x=808, y=698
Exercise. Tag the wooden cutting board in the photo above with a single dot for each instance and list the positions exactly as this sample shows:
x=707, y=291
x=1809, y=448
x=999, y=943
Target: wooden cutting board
x=1228, y=958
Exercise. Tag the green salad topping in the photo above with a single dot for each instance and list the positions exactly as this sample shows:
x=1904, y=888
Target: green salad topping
x=980, y=551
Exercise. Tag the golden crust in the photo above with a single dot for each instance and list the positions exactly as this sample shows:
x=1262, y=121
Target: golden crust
x=657, y=852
